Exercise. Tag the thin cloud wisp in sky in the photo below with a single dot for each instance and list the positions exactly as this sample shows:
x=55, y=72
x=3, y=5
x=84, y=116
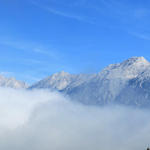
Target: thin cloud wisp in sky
x=63, y=14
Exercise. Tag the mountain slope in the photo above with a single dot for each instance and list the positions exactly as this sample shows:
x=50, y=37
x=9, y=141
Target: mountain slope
x=124, y=83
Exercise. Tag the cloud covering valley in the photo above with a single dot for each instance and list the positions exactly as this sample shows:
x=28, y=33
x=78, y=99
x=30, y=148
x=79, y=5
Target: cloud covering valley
x=44, y=120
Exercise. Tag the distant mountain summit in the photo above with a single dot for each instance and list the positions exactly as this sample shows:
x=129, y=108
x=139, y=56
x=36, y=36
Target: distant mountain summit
x=61, y=80
x=11, y=83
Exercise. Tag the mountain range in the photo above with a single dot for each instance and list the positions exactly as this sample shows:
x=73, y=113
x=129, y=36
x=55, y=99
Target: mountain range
x=126, y=83
x=12, y=83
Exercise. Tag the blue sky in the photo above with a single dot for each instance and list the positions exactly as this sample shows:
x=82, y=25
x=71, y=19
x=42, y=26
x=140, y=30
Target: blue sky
x=41, y=37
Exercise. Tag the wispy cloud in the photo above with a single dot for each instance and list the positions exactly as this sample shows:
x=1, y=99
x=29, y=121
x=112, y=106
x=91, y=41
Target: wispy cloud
x=33, y=61
x=140, y=35
x=141, y=13
x=42, y=49
x=7, y=74
x=62, y=13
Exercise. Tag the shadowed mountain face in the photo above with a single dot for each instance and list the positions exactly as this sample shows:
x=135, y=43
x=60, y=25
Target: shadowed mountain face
x=124, y=83
x=137, y=91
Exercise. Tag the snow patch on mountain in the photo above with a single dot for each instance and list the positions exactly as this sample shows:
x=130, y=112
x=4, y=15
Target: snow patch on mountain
x=11, y=83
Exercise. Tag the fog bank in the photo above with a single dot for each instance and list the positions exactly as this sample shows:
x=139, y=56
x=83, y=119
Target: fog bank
x=43, y=120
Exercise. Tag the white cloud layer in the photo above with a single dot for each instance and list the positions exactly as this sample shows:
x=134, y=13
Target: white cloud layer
x=42, y=120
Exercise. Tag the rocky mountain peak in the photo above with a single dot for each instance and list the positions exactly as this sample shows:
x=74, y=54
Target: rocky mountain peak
x=136, y=61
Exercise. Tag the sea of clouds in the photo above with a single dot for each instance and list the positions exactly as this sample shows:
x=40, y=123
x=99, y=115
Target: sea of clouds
x=44, y=120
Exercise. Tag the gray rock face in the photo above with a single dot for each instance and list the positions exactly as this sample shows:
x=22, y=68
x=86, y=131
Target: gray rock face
x=124, y=83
